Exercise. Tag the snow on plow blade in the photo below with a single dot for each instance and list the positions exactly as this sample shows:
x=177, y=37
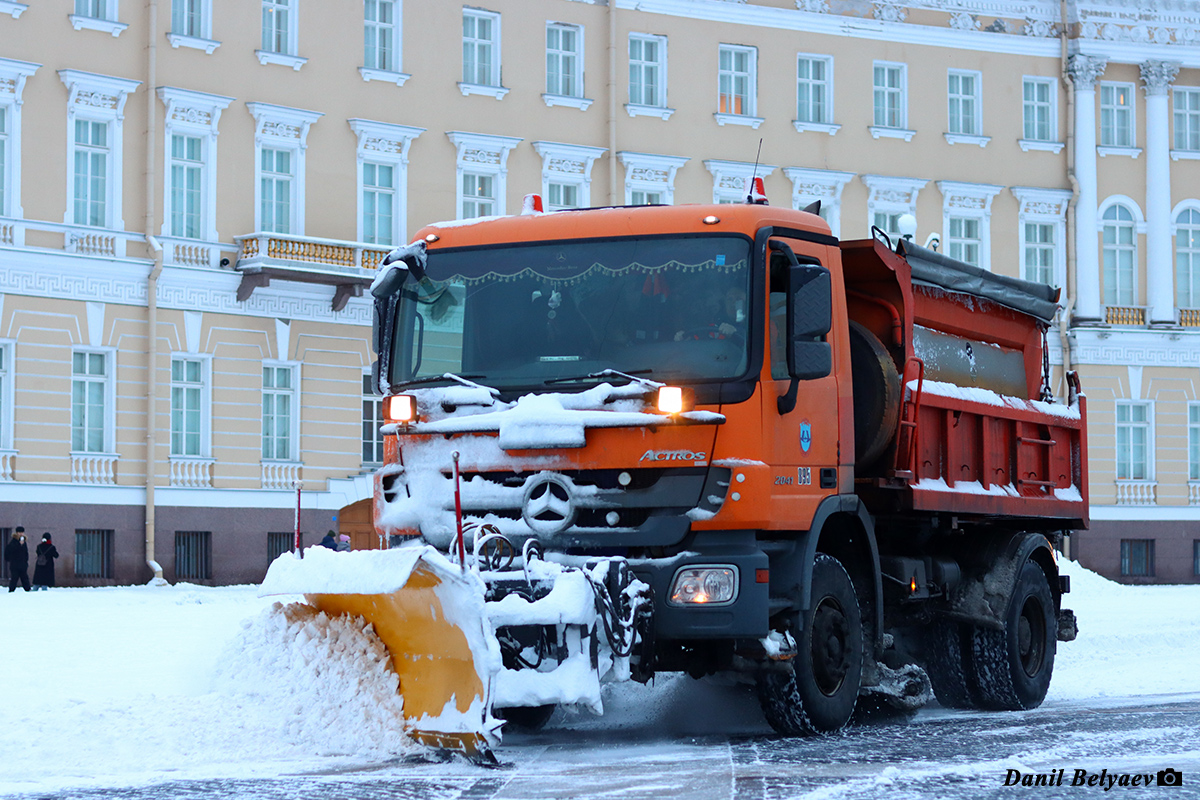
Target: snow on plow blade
x=430, y=615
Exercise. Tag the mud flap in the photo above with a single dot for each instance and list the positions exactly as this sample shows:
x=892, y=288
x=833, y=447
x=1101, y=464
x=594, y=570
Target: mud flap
x=430, y=616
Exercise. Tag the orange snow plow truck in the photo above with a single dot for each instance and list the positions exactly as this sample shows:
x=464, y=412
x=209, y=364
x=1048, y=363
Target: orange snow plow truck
x=708, y=439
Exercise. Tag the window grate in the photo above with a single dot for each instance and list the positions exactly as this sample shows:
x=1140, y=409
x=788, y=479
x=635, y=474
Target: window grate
x=279, y=542
x=1137, y=558
x=93, y=553
x=193, y=555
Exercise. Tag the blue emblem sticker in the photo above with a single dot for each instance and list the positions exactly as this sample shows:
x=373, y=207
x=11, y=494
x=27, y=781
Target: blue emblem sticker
x=805, y=435
x=720, y=260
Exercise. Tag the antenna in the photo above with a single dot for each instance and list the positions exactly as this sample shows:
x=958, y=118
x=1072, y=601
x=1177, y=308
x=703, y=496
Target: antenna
x=754, y=174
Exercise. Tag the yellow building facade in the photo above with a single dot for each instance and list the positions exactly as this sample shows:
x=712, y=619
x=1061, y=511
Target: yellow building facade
x=226, y=177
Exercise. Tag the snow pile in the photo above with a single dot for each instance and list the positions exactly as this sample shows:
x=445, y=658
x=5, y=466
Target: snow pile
x=1133, y=640
x=323, y=683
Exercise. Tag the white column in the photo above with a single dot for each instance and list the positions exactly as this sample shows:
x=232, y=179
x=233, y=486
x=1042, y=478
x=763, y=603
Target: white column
x=1160, y=285
x=1084, y=72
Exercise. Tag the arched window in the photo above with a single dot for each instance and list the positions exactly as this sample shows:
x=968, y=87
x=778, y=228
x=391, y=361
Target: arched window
x=1187, y=258
x=1120, y=257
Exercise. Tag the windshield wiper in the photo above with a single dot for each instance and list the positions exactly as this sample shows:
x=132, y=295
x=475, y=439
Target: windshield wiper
x=465, y=380
x=609, y=373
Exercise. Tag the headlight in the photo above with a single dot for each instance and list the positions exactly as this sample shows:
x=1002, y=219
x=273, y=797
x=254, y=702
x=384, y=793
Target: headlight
x=704, y=586
x=400, y=408
x=674, y=399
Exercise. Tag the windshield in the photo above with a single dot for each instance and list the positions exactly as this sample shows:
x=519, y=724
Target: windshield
x=668, y=309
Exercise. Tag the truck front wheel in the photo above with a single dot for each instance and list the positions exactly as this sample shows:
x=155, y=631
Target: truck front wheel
x=819, y=695
x=1013, y=666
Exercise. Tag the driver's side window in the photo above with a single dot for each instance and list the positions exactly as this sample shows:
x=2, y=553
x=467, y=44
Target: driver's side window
x=777, y=311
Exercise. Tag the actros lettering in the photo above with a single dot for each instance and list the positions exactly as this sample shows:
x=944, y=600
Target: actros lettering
x=673, y=455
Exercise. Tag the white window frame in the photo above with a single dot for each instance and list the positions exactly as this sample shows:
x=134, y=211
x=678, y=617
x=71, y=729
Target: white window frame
x=385, y=143
x=658, y=108
x=1119, y=137
x=1191, y=250
x=1186, y=121
x=105, y=22
x=574, y=97
x=1147, y=426
x=731, y=179
x=969, y=201
x=392, y=72
x=110, y=398
x=900, y=129
x=1138, y=226
x=1044, y=207
x=825, y=124
x=13, y=75
x=377, y=404
x=494, y=87
x=293, y=456
x=891, y=196
x=375, y=29
x=196, y=114
x=825, y=185
x=648, y=172
x=201, y=37
x=965, y=106
x=567, y=165
x=205, y=410
x=1193, y=442
x=8, y=373
x=482, y=154
x=282, y=128
x=287, y=55
x=98, y=98
x=748, y=115
x=1050, y=107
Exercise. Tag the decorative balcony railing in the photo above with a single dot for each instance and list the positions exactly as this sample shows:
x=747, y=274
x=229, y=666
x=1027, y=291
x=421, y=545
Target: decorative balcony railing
x=1137, y=493
x=348, y=266
x=1125, y=315
x=81, y=239
x=280, y=474
x=309, y=251
x=8, y=464
x=191, y=472
x=195, y=252
x=94, y=468
x=1194, y=493
x=1189, y=317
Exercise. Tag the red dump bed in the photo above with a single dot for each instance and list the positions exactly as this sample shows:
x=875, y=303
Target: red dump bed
x=975, y=436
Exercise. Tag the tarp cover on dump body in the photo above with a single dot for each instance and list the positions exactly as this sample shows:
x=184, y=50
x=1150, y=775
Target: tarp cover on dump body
x=930, y=267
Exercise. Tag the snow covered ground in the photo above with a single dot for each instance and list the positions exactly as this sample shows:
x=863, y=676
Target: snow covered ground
x=135, y=685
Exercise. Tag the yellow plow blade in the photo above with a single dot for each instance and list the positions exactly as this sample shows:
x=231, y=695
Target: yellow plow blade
x=430, y=616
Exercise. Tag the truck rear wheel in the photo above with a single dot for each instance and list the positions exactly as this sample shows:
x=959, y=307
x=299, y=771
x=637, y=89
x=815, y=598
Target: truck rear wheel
x=1012, y=667
x=820, y=694
x=948, y=647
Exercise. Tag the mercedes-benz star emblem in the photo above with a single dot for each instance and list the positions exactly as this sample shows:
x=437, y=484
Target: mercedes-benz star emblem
x=548, y=507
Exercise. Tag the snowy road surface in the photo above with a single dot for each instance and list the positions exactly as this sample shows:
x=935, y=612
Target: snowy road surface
x=939, y=754
x=190, y=691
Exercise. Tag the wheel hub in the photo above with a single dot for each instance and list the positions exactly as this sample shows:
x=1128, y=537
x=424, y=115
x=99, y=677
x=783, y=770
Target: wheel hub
x=830, y=655
x=1031, y=637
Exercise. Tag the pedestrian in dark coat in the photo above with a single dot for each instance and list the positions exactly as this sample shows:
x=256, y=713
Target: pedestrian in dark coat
x=43, y=568
x=329, y=541
x=16, y=553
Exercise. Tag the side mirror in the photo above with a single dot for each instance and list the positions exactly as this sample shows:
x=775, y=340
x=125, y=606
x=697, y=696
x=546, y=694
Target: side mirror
x=810, y=316
x=810, y=310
